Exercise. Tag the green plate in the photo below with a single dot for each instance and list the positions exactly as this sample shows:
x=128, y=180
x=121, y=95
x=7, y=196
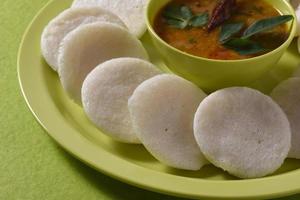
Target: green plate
x=66, y=123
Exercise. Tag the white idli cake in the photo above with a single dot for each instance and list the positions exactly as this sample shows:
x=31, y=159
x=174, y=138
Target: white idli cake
x=243, y=132
x=287, y=95
x=162, y=111
x=105, y=94
x=132, y=12
x=66, y=22
x=90, y=45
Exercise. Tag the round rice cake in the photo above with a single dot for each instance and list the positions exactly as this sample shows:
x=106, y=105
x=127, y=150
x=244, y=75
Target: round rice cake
x=243, y=132
x=66, y=22
x=90, y=45
x=132, y=12
x=287, y=95
x=162, y=111
x=105, y=94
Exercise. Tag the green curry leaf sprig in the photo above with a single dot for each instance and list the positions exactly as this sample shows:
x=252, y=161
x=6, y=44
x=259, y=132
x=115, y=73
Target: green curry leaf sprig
x=182, y=17
x=244, y=45
x=266, y=24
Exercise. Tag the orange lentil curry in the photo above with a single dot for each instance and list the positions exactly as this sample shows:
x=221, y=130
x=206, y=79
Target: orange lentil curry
x=199, y=41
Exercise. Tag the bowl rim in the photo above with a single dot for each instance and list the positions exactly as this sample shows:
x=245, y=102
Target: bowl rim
x=292, y=33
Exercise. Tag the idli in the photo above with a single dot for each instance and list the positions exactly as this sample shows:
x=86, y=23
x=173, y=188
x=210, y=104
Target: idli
x=243, y=132
x=67, y=21
x=105, y=94
x=162, y=111
x=132, y=12
x=287, y=95
x=90, y=45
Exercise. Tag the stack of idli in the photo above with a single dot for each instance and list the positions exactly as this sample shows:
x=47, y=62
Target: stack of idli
x=68, y=21
x=84, y=36
x=103, y=66
x=88, y=46
x=90, y=43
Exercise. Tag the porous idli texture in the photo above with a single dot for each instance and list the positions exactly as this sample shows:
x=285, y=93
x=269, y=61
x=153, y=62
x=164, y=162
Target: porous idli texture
x=105, y=94
x=132, y=12
x=66, y=22
x=243, y=132
x=287, y=95
x=90, y=45
x=162, y=111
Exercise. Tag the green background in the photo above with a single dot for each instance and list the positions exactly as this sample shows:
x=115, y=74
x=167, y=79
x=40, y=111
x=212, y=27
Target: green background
x=32, y=165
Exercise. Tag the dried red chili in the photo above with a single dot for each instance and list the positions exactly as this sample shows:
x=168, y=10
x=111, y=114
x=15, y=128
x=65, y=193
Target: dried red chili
x=221, y=13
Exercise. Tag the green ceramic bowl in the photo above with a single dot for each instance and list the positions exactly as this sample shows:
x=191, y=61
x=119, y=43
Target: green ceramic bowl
x=210, y=74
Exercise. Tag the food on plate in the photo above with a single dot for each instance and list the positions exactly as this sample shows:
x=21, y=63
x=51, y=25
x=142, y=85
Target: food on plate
x=287, y=95
x=105, y=94
x=90, y=45
x=66, y=22
x=243, y=132
x=222, y=29
x=104, y=67
x=162, y=111
x=130, y=11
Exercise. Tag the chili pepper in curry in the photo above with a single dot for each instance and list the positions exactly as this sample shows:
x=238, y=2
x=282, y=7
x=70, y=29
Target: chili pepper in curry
x=221, y=13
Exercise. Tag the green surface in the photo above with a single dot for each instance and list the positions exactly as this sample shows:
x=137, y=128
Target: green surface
x=32, y=165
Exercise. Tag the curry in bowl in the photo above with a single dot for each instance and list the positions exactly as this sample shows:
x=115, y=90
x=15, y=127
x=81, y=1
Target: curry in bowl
x=222, y=29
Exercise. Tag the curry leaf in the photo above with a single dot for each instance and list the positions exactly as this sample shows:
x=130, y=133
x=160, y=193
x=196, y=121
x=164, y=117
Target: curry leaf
x=186, y=12
x=182, y=17
x=176, y=23
x=229, y=30
x=244, y=46
x=173, y=12
x=266, y=24
x=199, y=20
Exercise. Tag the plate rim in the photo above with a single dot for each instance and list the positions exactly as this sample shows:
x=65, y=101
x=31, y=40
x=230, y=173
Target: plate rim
x=114, y=166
